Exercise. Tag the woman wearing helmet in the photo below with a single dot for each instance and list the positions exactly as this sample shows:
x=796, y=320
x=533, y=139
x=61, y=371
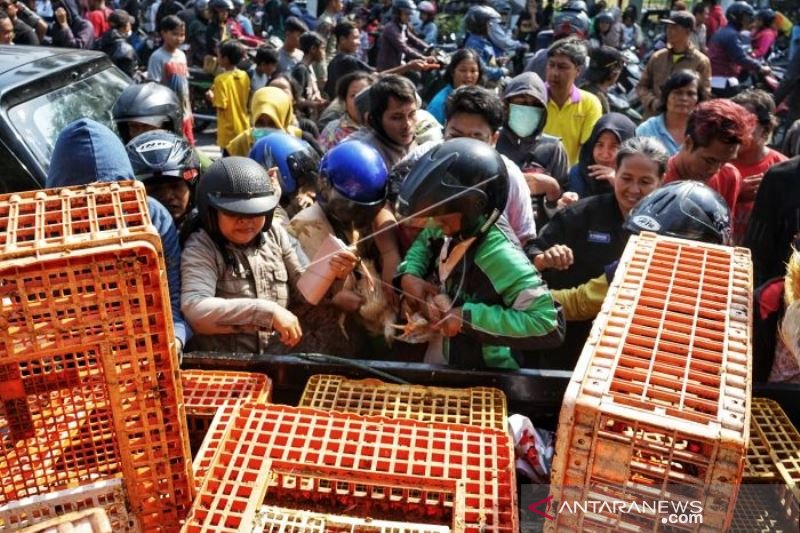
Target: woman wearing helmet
x=476, y=25
x=352, y=187
x=607, y=30
x=239, y=269
x=169, y=169
x=427, y=27
x=496, y=300
x=764, y=34
x=297, y=164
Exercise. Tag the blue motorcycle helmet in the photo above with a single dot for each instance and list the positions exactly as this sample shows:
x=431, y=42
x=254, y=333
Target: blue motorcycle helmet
x=296, y=160
x=353, y=184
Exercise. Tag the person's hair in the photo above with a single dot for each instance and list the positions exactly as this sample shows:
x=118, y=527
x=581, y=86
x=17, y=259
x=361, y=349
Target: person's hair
x=679, y=80
x=762, y=105
x=574, y=49
x=649, y=147
x=460, y=56
x=392, y=86
x=474, y=100
x=171, y=23
x=311, y=40
x=699, y=8
x=343, y=85
x=232, y=50
x=119, y=18
x=267, y=55
x=295, y=24
x=343, y=29
x=679, y=6
x=4, y=15
x=721, y=120
x=297, y=91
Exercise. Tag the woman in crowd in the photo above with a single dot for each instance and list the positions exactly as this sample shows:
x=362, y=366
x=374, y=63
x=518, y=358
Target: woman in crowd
x=346, y=91
x=585, y=237
x=464, y=69
x=679, y=96
x=594, y=173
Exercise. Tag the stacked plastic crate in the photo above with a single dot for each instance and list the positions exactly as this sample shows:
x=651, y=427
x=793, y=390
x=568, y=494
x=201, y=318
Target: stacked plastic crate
x=452, y=475
x=89, y=385
x=205, y=391
x=657, y=409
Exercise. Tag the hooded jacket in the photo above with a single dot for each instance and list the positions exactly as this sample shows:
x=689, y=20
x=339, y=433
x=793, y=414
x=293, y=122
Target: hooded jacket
x=87, y=152
x=579, y=180
x=275, y=104
x=119, y=50
x=538, y=149
x=79, y=32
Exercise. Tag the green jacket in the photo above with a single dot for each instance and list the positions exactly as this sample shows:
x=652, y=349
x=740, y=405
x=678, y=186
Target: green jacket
x=505, y=304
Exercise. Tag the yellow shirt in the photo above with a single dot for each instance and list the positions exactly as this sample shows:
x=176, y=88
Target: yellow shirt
x=574, y=122
x=231, y=91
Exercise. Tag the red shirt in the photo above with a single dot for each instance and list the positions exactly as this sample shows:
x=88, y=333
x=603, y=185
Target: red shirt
x=715, y=20
x=99, y=20
x=744, y=204
x=727, y=181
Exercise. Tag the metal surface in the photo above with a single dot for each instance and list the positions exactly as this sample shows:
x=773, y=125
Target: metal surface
x=535, y=393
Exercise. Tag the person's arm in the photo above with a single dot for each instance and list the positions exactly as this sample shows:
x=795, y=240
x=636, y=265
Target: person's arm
x=736, y=51
x=170, y=244
x=528, y=318
x=584, y=301
x=155, y=67
x=207, y=313
x=519, y=209
x=219, y=98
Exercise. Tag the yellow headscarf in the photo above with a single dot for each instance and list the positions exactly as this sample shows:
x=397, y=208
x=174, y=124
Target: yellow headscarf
x=275, y=104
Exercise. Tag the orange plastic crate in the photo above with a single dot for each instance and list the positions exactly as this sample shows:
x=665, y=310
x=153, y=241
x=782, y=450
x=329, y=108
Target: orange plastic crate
x=477, y=406
x=369, y=466
x=88, y=362
x=205, y=391
x=281, y=520
x=657, y=408
x=204, y=457
x=108, y=495
x=88, y=521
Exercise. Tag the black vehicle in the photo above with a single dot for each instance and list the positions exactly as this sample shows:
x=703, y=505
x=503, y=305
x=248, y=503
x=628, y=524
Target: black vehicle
x=42, y=90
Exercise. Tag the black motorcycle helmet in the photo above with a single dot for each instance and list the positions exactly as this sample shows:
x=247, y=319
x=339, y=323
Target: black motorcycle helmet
x=740, y=14
x=477, y=19
x=162, y=155
x=399, y=6
x=237, y=186
x=461, y=175
x=149, y=103
x=684, y=209
x=766, y=16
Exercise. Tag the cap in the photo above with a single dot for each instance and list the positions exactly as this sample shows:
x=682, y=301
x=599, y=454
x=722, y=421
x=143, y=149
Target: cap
x=680, y=18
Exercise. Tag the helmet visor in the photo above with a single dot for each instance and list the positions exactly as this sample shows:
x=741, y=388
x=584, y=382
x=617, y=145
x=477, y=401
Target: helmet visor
x=246, y=204
x=351, y=212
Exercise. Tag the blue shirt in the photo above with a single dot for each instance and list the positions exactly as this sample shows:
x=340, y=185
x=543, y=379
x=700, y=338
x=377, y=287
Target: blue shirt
x=436, y=106
x=656, y=127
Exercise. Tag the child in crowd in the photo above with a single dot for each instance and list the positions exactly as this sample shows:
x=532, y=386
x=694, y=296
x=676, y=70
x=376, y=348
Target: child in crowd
x=168, y=66
x=313, y=47
x=240, y=268
x=230, y=93
x=264, y=66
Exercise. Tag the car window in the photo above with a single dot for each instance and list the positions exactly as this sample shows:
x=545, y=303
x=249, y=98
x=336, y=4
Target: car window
x=40, y=119
x=14, y=177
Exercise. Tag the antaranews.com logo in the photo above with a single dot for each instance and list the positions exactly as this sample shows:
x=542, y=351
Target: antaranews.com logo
x=668, y=511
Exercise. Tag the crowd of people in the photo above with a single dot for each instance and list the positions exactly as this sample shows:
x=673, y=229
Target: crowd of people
x=478, y=226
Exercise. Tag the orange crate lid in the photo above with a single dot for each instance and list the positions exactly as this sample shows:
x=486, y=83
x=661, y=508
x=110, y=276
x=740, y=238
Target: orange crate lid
x=478, y=406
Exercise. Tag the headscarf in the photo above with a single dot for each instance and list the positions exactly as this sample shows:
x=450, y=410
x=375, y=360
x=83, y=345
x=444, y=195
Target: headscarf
x=623, y=128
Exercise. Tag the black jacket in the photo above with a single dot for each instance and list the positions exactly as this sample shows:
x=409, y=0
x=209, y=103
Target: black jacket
x=592, y=227
x=119, y=51
x=775, y=221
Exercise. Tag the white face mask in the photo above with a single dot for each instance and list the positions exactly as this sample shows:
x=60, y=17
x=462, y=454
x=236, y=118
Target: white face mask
x=126, y=34
x=524, y=119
